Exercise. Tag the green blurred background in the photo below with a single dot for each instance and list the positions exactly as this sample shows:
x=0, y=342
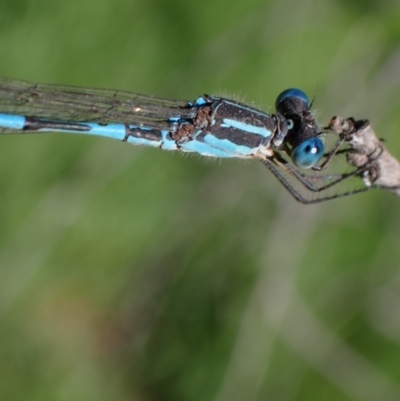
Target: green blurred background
x=135, y=274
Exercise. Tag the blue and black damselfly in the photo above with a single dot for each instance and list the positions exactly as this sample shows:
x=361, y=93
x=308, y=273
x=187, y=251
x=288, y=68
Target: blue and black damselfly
x=289, y=143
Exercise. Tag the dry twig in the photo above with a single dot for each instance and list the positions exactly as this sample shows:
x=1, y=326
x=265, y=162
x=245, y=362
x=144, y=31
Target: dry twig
x=378, y=168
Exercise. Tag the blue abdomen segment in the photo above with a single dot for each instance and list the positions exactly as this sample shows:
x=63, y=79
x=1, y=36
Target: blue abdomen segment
x=114, y=131
x=12, y=122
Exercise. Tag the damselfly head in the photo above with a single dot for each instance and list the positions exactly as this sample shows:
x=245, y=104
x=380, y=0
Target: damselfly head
x=305, y=147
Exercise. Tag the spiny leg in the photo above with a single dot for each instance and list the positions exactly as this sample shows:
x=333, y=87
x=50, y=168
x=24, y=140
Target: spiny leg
x=306, y=180
x=298, y=196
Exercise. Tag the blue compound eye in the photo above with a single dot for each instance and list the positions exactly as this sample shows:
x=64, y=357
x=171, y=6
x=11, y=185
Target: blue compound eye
x=289, y=93
x=308, y=153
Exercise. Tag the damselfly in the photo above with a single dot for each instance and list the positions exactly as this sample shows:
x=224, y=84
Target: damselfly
x=210, y=126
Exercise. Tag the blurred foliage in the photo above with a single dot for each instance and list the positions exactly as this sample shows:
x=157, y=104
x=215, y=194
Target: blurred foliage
x=135, y=274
